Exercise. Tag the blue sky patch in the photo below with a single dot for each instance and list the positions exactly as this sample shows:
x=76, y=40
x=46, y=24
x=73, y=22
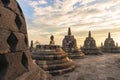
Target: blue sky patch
x=49, y=3
x=77, y=5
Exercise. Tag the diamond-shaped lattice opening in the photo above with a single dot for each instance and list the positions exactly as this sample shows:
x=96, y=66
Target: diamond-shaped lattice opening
x=5, y=2
x=18, y=22
x=3, y=66
x=12, y=41
x=24, y=60
x=26, y=41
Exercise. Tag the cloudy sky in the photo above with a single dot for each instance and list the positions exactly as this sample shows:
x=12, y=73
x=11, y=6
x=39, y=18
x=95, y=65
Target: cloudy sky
x=53, y=17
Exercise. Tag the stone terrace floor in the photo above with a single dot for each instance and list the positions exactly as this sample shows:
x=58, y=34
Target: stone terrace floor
x=95, y=67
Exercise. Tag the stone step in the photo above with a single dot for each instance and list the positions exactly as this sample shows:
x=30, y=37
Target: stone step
x=56, y=66
x=110, y=51
x=48, y=53
x=49, y=62
x=74, y=56
x=92, y=53
x=49, y=57
x=53, y=60
x=62, y=71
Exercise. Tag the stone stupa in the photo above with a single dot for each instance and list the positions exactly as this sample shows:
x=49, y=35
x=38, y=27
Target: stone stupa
x=69, y=45
x=89, y=47
x=15, y=60
x=109, y=45
x=52, y=58
x=31, y=45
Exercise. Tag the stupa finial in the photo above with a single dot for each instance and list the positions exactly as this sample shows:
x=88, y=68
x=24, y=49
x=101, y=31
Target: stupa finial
x=89, y=35
x=109, y=35
x=69, y=31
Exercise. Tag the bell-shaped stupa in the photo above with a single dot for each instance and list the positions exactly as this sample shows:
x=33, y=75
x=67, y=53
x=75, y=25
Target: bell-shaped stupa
x=15, y=60
x=69, y=45
x=110, y=46
x=89, y=46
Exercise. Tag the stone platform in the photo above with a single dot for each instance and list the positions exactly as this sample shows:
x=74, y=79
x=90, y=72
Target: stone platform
x=75, y=54
x=53, y=59
x=91, y=51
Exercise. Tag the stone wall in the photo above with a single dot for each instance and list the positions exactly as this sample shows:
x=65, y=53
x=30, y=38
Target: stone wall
x=15, y=59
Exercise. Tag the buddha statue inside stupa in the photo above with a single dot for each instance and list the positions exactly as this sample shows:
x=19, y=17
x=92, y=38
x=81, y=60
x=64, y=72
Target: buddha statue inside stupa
x=52, y=58
x=52, y=42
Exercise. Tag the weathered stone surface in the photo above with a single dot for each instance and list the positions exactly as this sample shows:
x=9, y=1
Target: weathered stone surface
x=23, y=26
x=4, y=47
x=15, y=7
x=26, y=40
x=16, y=14
x=21, y=44
x=52, y=59
x=102, y=67
x=15, y=60
x=16, y=67
x=7, y=19
x=69, y=45
x=31, y=45
x=89, y=46
x=109, y=45
x=44, y=62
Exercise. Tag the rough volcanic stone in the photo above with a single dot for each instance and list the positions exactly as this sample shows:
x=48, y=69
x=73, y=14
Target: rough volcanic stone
x=21, y=45
x=69, y=45
x=52, y=58
x=109, y=45
x=15, y=60
x=16, y=15
x=31, y=44
x=4, y=47
x=26, y=40
x=15, y=7
x=89, y=47
x=15, y=67
x=7, y=19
